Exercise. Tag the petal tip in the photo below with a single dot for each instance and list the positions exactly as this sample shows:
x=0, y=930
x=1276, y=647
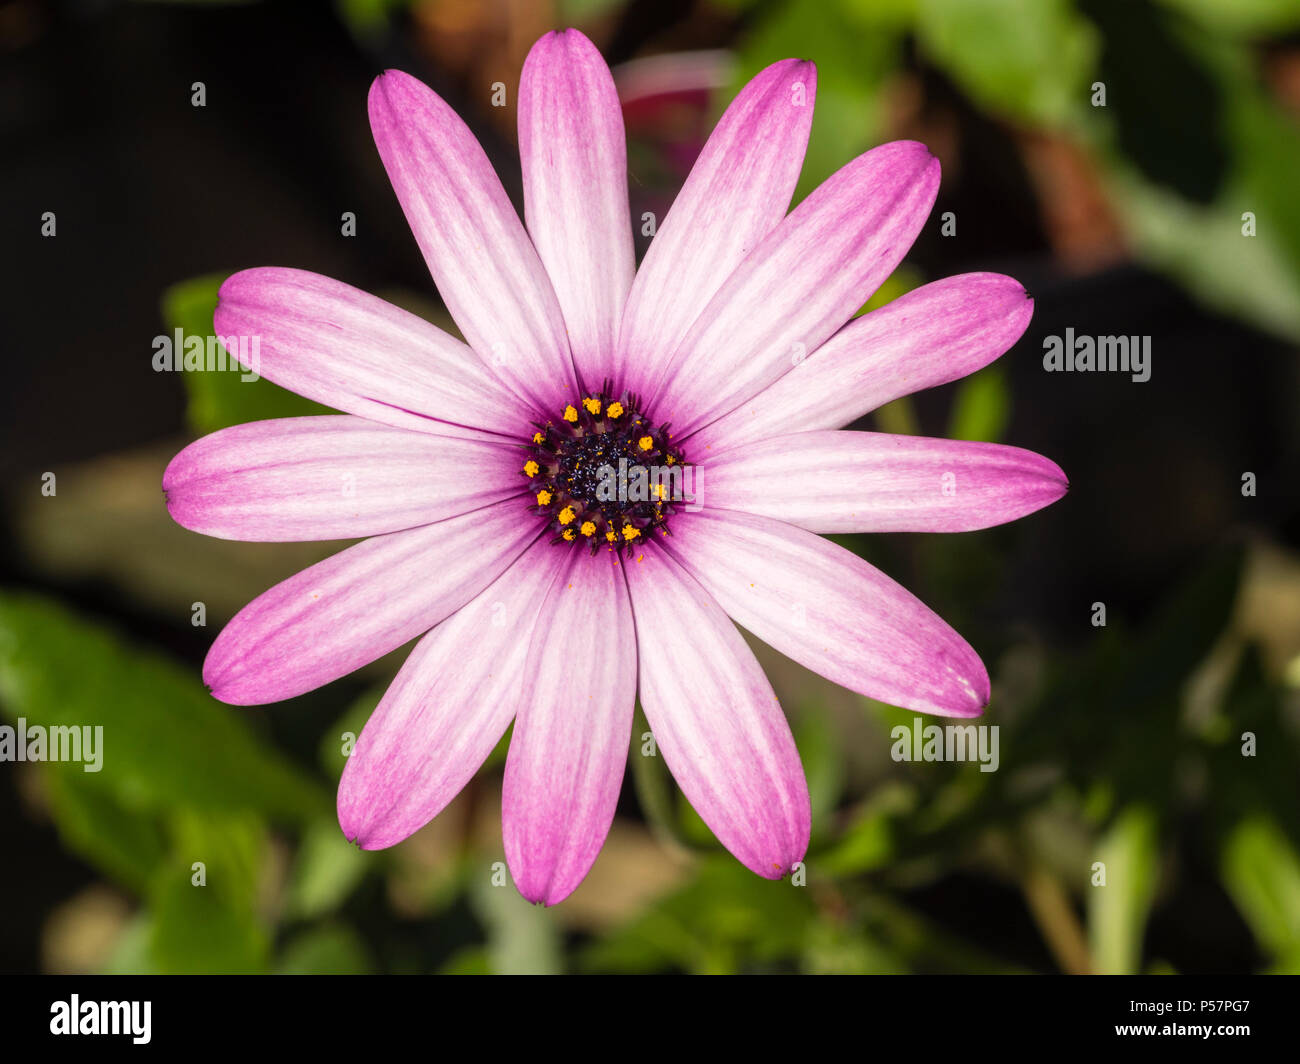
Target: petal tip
x=389, y=91
x=543, y=892
x=229, y=695
x=219, y=681
x=1054, y=476
x=354, y=825
x=781, y=863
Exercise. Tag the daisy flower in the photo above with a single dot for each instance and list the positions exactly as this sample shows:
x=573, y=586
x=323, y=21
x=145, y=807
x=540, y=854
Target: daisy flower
x=577, y=505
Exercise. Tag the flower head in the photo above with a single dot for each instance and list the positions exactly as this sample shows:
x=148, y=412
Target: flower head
x=522, y=497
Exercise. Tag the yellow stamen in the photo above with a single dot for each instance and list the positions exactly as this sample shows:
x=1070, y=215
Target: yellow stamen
x=592, y=405
x=615, y=410
x=630, y=532
x=567, y=515
x=670, y=459
x=646, y=442
x=611, y=535
x=531, y=468
x=538, y=437
x=588, y=527
x=544, y=498
x=569, y=534
x=570, y=414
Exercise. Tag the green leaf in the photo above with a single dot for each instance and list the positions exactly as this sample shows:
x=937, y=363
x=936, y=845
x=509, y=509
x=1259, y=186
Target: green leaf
x=232, y=847
x=1203, y=248
x=1242, y=18
x=1029, y=60
x=130, y=955
x=166, y=743
x=522, y=938
x=852, y=67
x=219, y=398
x=1138, y=679
x=326, y=871
x=196, y=930
x=92, y=823
x=205, y=902
x=903, y=280
x=822, y=756
x=982, y=407
x=337, y=743
x=870, y=842
x=655, y=790
x=472, y=960
x=878, y=14
x=1206, y=246
x=1269, y=144
x=1262, y=873
x=335, y=949
x=835, y=950
x=1118, y=911
x=724, y=914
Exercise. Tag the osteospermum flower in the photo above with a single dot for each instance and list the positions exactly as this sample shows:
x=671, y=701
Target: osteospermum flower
x=573, y=506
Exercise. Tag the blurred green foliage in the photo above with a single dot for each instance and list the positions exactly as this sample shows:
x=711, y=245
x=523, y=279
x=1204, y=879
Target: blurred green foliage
x=196, y=781
x=192, y=782
x=219, y=400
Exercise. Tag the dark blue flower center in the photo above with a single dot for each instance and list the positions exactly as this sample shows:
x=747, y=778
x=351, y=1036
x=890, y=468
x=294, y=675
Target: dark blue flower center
x=603, y=474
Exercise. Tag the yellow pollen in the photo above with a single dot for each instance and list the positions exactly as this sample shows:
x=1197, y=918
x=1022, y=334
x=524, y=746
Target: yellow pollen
x=538, y=437
x=531, y=468
x=570, y=414
x=611, y=535
x=630, y=532
x=569, y=534
x=544, y=497
x=659, y=490
x=588, y=527
x=615, y=410
x=567, y=515
x=646, y=442
x=592, y=405
x=670, y=459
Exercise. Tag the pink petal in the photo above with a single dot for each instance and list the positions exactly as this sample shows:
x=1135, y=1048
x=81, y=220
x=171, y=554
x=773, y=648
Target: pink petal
x=482, y=261
x=737, y=192
x=571, y=735
x=359, y=604
x=839, y=481
x=449, y=705
x=334, y=477
x=716, y=720
x=804, y=281
x=352, y=351
x=935, y=334
x=829, y=610
x=574, y=156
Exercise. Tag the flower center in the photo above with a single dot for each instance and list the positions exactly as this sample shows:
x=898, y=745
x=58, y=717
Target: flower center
x=603, y=474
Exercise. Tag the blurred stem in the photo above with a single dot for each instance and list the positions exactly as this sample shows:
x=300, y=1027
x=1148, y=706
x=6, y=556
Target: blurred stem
x=1052, y=912
x=898, y=417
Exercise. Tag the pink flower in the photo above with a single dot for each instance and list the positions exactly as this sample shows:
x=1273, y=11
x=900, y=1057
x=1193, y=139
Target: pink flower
x=475, y=470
